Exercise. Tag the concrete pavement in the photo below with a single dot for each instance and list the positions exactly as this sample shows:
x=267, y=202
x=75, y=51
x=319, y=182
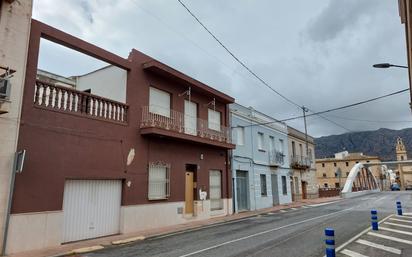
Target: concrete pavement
x=295, y=232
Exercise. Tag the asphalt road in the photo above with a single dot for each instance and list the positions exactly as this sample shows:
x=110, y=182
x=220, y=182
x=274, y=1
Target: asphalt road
x=292, y=233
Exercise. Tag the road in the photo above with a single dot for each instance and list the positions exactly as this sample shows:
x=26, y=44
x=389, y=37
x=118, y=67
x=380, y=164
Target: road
x=294, y=233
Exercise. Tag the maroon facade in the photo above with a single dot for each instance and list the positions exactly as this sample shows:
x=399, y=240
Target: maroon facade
x=62, y=145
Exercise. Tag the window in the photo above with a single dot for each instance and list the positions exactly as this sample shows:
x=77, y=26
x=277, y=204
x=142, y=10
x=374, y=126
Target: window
x=300, y=149
x=310, y=154
x=284, y=186
x=337, y=185
x=401, y=157
x=293, y=148
x=347, y=174
x=334, y=164
x=214, y=120
x=159, y=181
x=261, y=141
x=368, y=161
x=271, y=143
x=159, y=102
x=215, y=189
x=336, y=174
x=324, y=175
x=281, y=145
x=357, y=162
x=347, y=164
x=263, y=189
x=326, y=185
x=323, y=165
x=240, y=135
x=190, y=118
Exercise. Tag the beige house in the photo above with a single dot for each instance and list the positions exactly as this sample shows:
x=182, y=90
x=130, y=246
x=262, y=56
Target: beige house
x=14, y=37
x=332, y=172
x=303, y=180
x=403, y=172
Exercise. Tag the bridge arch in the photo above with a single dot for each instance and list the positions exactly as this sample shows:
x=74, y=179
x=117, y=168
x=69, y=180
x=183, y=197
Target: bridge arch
x=360, y=178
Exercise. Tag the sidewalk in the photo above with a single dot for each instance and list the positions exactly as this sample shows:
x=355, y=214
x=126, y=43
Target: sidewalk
x=99, y=243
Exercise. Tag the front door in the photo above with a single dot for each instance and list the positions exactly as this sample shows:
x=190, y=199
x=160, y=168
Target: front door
x=189, y=193
x=241, y=190
x=304, y=190
x=291, y=189
x=275, y=189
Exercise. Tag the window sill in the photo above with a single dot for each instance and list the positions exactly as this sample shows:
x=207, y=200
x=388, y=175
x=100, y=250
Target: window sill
x=158, y=199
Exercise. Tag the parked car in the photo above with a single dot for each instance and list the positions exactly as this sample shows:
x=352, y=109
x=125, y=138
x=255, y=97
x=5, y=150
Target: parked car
x=408, y=187
x=395, y=187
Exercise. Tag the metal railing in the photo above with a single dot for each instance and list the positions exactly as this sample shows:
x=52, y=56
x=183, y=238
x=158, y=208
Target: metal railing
x=68, y=100
x=276, y=158
x=300, y=161
x=181, y=123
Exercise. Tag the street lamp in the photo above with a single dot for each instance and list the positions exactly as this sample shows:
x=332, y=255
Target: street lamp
x=388, y=65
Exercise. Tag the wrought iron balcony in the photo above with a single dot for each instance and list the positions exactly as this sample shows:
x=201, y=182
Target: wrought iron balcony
x=185, y=127
x=300, y=162
x=68, y=100
x=276, y=158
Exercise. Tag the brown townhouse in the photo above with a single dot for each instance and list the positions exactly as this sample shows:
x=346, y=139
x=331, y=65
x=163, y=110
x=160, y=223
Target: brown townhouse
x=155, y=155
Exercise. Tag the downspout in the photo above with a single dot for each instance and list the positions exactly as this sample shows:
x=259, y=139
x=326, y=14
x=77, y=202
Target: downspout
x=253, y=159
x=8, y=211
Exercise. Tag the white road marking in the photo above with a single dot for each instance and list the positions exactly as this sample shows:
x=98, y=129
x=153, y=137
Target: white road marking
x=352, y=253
x=403, y=217
x=282, y=210
x=390, y=238
x=321, y=204
x=294, y=209
x=379, y=246
x=398, y=225
x=304, y=206
x=401, y=220
x=407, y=213
x=358, y=235
x=396, y=231
x=264, y=232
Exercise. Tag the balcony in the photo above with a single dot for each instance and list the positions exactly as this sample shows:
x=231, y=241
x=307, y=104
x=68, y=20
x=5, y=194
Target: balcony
x=194, y=130
x=276, y=158
x=67, y=100
x=300, y=162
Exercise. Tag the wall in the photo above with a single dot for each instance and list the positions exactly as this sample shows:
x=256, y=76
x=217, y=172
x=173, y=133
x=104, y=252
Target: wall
x=248, y=157
x=109, y=82
x=63, y=146
x=330, y=169
x=14, y=36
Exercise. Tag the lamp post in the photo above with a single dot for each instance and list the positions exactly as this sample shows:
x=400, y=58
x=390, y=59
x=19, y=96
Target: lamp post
x=388, y=65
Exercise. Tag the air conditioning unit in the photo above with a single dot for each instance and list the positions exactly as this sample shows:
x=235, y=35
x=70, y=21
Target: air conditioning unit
x=4, y=89
x=4, y=95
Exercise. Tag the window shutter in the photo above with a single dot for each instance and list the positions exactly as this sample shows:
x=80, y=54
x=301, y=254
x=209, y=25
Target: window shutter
x=159, y=102
x=214, y=120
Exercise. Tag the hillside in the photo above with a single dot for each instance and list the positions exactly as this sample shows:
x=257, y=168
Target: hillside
x=379, y=142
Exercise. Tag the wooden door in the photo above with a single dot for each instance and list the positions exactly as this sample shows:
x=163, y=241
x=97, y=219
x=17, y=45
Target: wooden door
x=189, y=197
x=304, y=190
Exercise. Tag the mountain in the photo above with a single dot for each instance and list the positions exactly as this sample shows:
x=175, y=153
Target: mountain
x=379, y=142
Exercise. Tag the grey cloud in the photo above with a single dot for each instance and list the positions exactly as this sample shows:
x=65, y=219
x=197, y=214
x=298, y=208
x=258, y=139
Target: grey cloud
x=338, y=16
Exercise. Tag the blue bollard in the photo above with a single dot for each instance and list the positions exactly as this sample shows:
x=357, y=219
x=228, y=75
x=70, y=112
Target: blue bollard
x=374, y=219
x=399, y=207
x=330, y=242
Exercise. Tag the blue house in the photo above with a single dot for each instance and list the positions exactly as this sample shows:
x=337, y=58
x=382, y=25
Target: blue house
x=260, y=162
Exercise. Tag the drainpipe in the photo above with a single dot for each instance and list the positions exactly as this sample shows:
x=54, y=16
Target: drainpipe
x=253, y=160
x=10, y=199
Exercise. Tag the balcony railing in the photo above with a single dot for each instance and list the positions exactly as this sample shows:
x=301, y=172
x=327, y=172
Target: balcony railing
x=300, y=162
x=64, y=99
x=276, y=158
x=176, y=122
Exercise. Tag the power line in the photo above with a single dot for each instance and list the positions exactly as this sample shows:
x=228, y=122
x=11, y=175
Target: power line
x=372, y=121
x=349, y=105
x=248, y=69
x=333, y=109
x=237, y=59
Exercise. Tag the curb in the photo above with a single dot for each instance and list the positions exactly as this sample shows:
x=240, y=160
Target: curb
x=136, y=239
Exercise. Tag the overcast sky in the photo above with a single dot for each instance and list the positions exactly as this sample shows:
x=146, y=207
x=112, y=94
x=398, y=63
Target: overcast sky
x=319, y=53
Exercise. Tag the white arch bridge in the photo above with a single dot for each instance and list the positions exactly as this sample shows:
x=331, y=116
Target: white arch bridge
x=361, y=178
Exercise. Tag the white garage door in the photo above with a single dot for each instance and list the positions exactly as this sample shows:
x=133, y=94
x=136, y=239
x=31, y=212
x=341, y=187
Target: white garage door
x=91, y=208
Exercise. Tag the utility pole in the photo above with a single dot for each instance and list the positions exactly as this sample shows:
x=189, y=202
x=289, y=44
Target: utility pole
x=305, y=110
